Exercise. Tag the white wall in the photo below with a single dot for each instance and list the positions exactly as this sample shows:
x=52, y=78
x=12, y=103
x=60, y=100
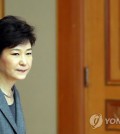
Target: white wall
x=38, y=91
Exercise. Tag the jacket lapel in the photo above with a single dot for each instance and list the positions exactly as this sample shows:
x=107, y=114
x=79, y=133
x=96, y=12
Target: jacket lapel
x=6, y=111
x=19, y=114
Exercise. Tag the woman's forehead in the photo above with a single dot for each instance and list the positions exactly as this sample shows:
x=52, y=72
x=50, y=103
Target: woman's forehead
x=25, y=46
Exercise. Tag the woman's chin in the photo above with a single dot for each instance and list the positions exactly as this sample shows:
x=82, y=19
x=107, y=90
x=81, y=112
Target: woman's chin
x=21, y=77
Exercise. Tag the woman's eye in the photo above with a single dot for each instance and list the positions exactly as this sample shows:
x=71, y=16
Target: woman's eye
x=29, y=53
x=15, y=53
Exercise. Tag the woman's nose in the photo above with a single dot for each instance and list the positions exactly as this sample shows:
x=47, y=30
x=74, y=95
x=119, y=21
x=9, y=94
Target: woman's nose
x=23, y=61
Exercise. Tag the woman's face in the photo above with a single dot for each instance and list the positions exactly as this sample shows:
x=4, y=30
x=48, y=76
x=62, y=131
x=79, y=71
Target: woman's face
x=15, y=63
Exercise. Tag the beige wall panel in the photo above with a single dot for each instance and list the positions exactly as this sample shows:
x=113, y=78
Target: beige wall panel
x=38, y=91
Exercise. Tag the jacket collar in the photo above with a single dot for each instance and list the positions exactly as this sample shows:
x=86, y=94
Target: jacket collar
x=18, y=126
x=19, y=113
x=6, y=111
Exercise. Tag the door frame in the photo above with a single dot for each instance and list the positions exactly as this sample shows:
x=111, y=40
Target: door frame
x=70, y=67
x=1, y=8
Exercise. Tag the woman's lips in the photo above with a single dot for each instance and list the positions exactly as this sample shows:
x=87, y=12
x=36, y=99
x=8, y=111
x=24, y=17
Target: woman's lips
x=22, y=70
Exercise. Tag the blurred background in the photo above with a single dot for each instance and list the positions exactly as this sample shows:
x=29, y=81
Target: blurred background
x=76, y=66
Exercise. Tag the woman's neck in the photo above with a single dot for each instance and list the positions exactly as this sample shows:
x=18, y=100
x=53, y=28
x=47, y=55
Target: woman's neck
x=6, y=88
x=6, y=85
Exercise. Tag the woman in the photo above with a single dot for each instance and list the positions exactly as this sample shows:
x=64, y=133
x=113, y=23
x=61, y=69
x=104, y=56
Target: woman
x=16, y=41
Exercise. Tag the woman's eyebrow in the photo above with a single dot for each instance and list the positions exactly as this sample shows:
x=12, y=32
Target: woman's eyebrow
x=29, y=49
x=16, y=49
